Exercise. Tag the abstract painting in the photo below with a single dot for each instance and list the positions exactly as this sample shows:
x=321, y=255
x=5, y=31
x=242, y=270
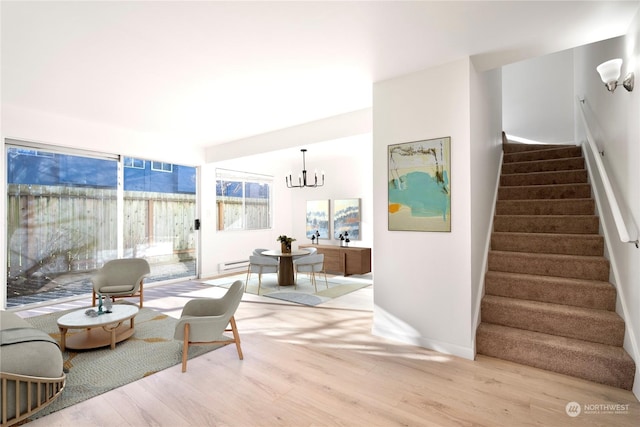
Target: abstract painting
x=419, y=185
x=317, y=218
x=346, y=217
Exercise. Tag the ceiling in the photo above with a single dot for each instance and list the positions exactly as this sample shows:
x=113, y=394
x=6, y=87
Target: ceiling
x=211, y=72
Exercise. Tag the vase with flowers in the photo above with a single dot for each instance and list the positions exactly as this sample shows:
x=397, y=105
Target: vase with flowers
x=285, y=243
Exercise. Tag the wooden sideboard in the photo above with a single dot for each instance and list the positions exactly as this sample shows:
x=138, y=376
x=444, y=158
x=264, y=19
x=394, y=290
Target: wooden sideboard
x=345, y=260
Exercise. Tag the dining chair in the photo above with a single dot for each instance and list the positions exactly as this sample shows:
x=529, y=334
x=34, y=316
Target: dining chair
x=311, y=264
x=310, y=250
x=261, y=265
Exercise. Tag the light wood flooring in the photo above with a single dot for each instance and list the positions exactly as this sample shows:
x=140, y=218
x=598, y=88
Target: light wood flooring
x=320, y=366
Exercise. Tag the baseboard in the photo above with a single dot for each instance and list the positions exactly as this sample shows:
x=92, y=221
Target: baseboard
x=428, y=343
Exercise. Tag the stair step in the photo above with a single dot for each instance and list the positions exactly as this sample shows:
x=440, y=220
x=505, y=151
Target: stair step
x=516, y=147
x=543, y=165
x=544, y=154
x=546, y=207
x=558, y=191
x=601, y=326
x=565, y=224
x=572, y=266
x=545, y=178
x=550, y=243
x=600, y=363
x=558, y=290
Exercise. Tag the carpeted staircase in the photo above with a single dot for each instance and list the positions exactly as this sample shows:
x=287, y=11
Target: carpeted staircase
x=548, y=302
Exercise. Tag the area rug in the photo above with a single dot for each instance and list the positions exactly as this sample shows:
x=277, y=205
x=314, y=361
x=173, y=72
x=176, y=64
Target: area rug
x=304, y=293
x=93, y=372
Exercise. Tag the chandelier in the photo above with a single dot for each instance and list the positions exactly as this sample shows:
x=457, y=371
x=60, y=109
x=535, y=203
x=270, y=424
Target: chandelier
x=302, y=178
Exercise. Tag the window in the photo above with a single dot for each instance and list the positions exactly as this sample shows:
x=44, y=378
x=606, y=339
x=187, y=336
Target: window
x=161, y=167
x=130, y=162
x=243, y=200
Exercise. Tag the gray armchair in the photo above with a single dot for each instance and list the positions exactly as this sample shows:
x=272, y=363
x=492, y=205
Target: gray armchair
x=120, y=278
x=204, y=321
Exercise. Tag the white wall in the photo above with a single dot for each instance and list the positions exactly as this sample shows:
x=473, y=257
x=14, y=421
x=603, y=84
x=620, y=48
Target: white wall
x=422, y=292
x=538, y=100
x=486, y=153
x=36, y=126
x=347, y=164
x=614, y=121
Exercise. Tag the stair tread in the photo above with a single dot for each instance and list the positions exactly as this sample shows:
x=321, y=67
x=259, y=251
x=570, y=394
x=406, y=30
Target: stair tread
x=553, y=256
x=538, y=186
x=603, y=315
x=602, y=363
x=549, y=216
x=561, y=280
x=550, y=235
x=547, y=160
x=604, y=350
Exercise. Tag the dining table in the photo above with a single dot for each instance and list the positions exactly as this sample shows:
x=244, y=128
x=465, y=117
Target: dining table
x=285, y=264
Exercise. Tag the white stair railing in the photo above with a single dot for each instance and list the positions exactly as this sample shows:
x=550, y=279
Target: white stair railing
x=627, y=230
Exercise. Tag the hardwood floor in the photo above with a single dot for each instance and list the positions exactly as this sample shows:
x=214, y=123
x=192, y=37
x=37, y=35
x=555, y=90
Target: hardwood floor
x=321, y=366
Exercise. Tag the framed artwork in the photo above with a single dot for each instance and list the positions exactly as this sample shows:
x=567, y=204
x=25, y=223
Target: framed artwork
x=346, y=217
x=419, y=185
x=317, y=218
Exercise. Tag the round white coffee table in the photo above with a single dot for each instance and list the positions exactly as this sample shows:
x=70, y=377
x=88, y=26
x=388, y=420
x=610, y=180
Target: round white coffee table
x=101, y=331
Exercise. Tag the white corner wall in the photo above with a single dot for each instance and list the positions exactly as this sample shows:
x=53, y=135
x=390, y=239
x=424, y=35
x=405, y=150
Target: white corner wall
x=422, y=292
x=486, y=153
x=613, y=119
x=538, y=100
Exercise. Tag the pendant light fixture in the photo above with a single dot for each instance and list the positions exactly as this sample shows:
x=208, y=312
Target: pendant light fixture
x=302, y=178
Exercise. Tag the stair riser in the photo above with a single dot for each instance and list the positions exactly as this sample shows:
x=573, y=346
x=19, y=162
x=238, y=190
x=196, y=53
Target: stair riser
x=564, y=361
x=587, y=294
x=552, y=265
x=545, y=224
x=519, y=148
x=559, y=323
x=543, y=166
x=528, y=156
x=551, y=244
x=545, y=178
x=562, y=191
x=546, y=207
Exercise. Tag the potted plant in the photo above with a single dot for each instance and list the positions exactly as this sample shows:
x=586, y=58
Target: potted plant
x=285, y=243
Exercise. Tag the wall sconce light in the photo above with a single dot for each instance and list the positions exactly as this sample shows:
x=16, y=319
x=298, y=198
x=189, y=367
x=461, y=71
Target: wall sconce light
x=610, y=73
x=302, y=179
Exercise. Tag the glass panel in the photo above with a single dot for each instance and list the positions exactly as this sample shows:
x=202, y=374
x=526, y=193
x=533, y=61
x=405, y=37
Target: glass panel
x=61, y=223
x=243, y=200
x=159, y=217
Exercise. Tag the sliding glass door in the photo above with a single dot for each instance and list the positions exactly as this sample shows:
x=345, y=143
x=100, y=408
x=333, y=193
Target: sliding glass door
x=69, y=213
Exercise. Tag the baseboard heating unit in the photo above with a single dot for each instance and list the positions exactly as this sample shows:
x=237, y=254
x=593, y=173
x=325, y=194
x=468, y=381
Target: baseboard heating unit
x=231, y=266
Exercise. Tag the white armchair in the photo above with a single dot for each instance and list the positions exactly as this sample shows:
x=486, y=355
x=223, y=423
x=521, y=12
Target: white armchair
x=204, y=321
x=121, y=278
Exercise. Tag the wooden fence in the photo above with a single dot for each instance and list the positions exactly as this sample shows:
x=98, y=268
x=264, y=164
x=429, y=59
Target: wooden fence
x=52, y=230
